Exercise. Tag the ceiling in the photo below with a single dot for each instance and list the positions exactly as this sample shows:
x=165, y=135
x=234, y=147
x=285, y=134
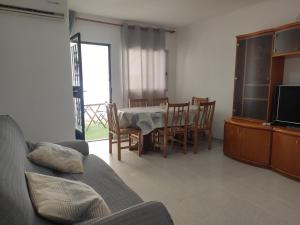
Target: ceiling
x=172, y=13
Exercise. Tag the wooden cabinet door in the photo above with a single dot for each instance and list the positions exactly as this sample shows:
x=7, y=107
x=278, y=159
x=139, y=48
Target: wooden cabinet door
x=286, y=154
x=287, y=41
x=232, y=142
x=256, y=145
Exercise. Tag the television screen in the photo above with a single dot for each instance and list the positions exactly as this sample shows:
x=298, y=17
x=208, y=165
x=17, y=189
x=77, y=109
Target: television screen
x=288, y=104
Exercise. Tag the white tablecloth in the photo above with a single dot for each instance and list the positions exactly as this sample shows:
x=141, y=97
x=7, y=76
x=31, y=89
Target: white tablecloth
x=147, y=119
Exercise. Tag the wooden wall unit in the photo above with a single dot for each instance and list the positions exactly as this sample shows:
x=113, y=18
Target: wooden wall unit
x=260, y=58
x=259, y=69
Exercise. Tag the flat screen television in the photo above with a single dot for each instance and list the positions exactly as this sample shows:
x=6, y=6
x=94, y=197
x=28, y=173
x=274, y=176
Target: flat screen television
x=287, y=105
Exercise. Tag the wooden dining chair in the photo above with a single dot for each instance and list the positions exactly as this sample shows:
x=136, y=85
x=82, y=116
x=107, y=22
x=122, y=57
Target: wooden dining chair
x=198, y=100
x=203, y=123
x=158, y=101
x=176, y=122
x=141, y=102
x=118, y=133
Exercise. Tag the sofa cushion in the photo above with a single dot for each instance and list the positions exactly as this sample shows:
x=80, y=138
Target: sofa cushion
x=16, y=207
x=106, y=182
x=65, y=201
x=57, y=157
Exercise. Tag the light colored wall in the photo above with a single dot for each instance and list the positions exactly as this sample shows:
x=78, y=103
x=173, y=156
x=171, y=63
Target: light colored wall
x=206, y=52
x=292, y=71
x=108, y=34
x=35, y=76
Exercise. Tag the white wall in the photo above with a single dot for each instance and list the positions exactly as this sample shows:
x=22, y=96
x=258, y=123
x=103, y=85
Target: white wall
x=292, y=71
x=109, y=34
x=35, y=76
x=206, y=52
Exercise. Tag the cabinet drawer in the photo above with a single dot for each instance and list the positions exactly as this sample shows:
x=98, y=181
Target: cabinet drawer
x=286, y=154
x=287, y=41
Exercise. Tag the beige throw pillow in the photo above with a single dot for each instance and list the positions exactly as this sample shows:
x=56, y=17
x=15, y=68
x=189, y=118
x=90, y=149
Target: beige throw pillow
x=57, y=157
x=65, y=201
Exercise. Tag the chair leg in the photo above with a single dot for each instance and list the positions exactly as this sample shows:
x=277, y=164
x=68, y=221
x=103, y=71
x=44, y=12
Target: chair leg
x=140, y=146
x=129, y=141
x=165, y=142
x=195, y=141
x=172, y=142
x=110, y=142
x=185, y=141
x=153, y=140
x=209, y=140
x=119, y=147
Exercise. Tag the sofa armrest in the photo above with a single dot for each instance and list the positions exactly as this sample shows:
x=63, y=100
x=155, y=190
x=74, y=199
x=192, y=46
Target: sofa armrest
x=148, y=213
x=80, y=146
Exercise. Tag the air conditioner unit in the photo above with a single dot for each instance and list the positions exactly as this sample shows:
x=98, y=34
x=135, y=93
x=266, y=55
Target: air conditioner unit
x=44, y=8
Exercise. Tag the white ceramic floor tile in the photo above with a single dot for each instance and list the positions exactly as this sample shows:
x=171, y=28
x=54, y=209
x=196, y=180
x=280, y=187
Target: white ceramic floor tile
x=208, y=188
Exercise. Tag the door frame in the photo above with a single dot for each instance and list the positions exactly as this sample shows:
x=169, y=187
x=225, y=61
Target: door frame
x=109, y=63
x=78, y=90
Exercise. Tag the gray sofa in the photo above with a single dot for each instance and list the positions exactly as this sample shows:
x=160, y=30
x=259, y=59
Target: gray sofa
x=16, y=207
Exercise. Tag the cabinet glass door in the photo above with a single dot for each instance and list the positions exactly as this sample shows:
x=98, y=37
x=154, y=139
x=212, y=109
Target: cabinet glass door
x=258, y=59
x=287, y=41
x=257, y=76
x=239, y=78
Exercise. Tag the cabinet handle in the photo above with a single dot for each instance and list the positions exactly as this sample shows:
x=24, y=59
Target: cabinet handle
x=297, y=142
x=235, y=78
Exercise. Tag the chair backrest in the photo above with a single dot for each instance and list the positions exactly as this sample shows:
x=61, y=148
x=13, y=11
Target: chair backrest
x=205, y=115
x=198, y=100
x=158, y=101
x=112, y=117
x=177, y=114
x=142, y=102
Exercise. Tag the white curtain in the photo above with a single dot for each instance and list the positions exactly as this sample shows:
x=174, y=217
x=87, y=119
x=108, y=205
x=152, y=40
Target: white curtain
x=143, y=63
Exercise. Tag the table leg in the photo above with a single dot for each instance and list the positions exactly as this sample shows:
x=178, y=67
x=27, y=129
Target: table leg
x=147, y=144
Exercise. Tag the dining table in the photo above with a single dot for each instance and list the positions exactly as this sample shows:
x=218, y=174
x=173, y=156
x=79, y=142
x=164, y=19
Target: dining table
x=148, y=118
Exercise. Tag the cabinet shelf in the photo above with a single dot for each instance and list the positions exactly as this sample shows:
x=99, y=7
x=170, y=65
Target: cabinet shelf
x=257, y=85
x=255, y=99
x=296, y=53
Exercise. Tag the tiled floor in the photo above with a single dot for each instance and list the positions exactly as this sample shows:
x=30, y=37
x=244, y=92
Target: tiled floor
x=208, y=188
